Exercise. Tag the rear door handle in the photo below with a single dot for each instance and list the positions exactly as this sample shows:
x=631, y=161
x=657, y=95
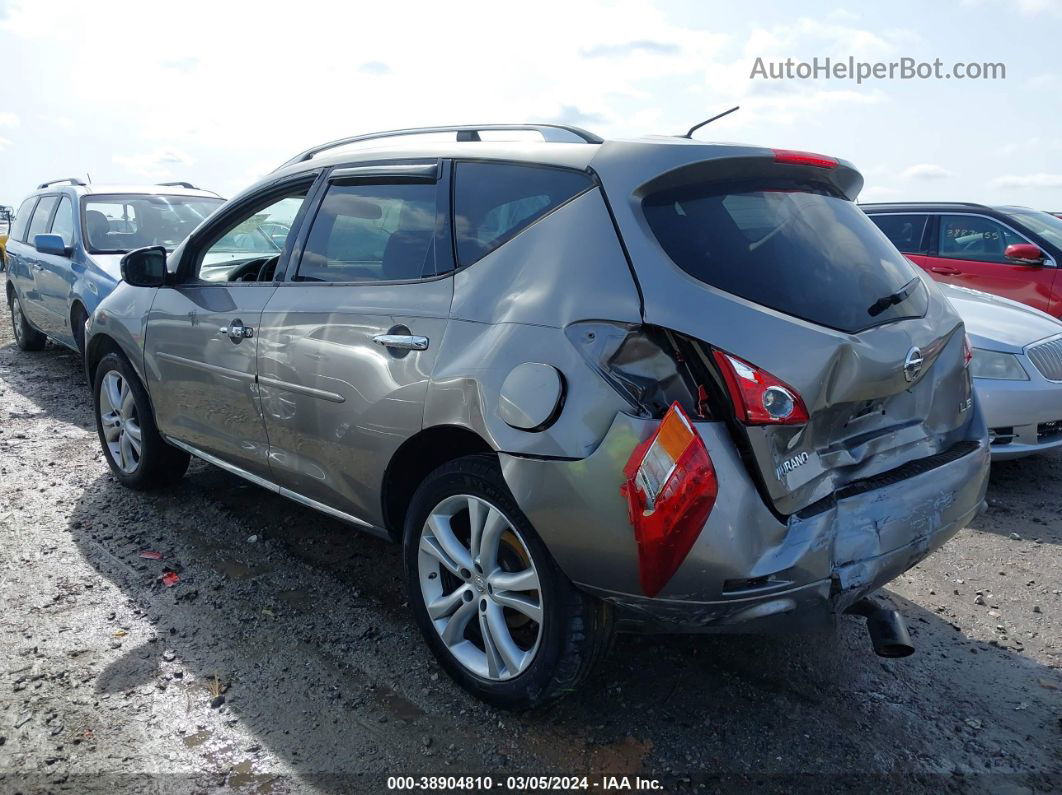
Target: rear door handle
x=945, y=271
x=406, y=342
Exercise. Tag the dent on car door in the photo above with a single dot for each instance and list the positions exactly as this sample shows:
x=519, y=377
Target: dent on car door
x=969, y=253
x=202, y=334
x=349, y=339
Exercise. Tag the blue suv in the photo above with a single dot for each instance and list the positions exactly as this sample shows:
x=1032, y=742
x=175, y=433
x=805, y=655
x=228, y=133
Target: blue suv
x=66, y=242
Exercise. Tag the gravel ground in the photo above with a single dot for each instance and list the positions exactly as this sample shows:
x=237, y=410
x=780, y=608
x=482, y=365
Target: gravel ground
x=111, y=680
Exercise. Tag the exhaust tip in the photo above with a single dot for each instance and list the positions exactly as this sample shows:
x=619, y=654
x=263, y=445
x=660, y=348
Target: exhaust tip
x=886, y=627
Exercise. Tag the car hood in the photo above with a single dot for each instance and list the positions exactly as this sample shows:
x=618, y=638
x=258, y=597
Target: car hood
x=999, y=324
x=111, y=264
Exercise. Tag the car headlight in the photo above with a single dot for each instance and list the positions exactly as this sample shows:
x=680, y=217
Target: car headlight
x=993, y=364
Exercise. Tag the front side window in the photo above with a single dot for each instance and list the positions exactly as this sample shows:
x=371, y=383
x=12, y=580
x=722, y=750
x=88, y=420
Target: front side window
x=797, y=248
x=975, y=237
x=248, y=248
x=905, y=231
x=39, y=224
x=22, y=219
x=494, y=202
x=63, y=223
x=372, y=232
x=116, y=224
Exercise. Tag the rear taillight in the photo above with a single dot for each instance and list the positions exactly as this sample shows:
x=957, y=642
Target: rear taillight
x=670, y=486
x=758, y=397
x=967, y=350
x=794, y=158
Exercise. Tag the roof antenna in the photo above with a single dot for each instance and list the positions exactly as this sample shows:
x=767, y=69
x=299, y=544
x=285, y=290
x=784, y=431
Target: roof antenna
x=696, y=127
x=90, y=176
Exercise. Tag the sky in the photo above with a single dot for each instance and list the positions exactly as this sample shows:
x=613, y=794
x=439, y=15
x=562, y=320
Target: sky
x=220, y=93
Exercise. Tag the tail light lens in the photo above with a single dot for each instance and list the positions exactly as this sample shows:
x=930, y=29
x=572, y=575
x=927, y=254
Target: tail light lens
x=670, y=487
x=967, y=350
x=759, y=398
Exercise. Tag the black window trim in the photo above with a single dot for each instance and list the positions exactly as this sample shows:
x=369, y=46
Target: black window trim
x=384, y=172
x=595, y=183
x=197, y=243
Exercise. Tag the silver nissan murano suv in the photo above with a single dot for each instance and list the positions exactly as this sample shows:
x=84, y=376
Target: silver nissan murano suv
x=589, y=385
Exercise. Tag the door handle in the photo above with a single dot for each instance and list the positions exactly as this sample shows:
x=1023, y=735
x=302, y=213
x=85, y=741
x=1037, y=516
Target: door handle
x=945, y=271
x=36, y=266
x=236, y=331
x=406, y=342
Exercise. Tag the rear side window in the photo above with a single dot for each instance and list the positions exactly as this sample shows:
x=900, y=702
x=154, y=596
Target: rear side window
x=22, y=219
x=798, y=249
x=39, y=224
x=494, y=202
x=907, y=232
x=372, y=232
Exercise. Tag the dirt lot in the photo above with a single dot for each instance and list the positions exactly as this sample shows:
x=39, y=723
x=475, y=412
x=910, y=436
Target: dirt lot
x=108, y=678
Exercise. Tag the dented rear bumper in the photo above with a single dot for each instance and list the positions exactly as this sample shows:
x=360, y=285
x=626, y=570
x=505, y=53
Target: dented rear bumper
x=749, y=570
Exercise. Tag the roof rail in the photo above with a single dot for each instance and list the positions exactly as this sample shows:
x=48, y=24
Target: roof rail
x=551, y=133
x=894, y=204
x=188, y=185
x=71, y=180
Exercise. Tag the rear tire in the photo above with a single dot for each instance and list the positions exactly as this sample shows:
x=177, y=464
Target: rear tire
x=26, y=337
x=135, y=450
x=453, y=575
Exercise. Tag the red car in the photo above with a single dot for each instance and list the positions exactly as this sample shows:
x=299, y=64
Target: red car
x=1009, y=251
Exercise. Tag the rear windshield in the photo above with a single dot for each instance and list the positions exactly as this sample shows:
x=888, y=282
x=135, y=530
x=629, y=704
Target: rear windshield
x=799, y=249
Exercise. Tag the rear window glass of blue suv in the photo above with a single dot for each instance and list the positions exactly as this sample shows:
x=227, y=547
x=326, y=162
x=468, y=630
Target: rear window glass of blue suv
x=796, y=248
x=494, y=202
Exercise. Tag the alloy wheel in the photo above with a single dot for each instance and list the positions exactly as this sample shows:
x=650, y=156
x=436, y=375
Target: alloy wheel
x=16, y=318
x=121, y=426
x=480, y=587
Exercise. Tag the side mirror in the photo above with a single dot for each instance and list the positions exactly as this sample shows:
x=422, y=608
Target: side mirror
x=145, y=267
x=1024, y=253
x=51, y=244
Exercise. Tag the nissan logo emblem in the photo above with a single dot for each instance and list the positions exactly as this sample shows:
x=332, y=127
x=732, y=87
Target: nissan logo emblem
x=912, y=365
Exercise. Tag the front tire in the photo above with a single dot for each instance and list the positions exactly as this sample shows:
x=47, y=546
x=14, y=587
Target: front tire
x=26, y=337
x=135, y=450
x=493, y=606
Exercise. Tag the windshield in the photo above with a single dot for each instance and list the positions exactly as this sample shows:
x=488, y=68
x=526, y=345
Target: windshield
x=116, y=224
x=796, y=248
x=1043, y=224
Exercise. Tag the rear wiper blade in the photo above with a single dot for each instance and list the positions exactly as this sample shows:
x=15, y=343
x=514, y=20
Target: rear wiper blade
x=892, y=299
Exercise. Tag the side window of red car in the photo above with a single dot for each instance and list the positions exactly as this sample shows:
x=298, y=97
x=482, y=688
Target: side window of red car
x=975, y=237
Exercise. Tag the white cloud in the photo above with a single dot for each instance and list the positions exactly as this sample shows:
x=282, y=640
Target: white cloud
x=878, y=193
x=926, y=171
x=154, y=165
x=4, y=143
x=1037, y=180
x=8, y=119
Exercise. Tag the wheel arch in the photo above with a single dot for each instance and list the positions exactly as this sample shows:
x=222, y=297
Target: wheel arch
x=418, y=456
